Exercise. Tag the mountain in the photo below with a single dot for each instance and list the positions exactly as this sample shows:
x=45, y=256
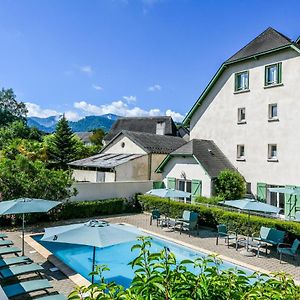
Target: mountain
x=86, y=124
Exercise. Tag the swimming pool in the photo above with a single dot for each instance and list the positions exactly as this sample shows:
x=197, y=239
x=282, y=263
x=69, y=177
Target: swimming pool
x=117, y=257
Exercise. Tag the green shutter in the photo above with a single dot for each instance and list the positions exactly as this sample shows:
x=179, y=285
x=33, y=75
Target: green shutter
x=266, y=76
x=261, y=191
x=196, y=188
x=235, y=82
x=279, y=79
x=171, y=183
x=290, y=207
x=158, y=185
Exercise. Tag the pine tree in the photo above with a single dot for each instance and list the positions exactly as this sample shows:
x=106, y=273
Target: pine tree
x=63, y=144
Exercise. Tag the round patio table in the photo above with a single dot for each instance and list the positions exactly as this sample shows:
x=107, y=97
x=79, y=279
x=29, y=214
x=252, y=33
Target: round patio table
x=247, y=243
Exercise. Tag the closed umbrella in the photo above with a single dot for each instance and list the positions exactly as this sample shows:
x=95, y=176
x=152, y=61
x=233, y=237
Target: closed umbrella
x=24, y=206
x=95, y=233
x=168, y=193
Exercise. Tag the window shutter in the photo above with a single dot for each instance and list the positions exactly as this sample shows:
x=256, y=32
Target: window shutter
x=158, y=185
x=196, y=188
x=171, y=183
x=266, y=76
x=279, y=79
x=261, y=191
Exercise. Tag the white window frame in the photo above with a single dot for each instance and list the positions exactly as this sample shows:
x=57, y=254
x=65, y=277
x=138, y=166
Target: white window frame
x=272, y=118
x=238, y=152
x=270, y=156
x=185, y=200
x=240, y=120
x=277, y=80
x=245, y=86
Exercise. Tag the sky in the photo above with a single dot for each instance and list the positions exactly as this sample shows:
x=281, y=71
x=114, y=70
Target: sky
x=127, y=57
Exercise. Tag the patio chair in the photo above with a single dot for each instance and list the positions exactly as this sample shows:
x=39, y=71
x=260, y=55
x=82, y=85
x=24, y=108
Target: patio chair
x=270, y=235
x=297, y=216
x=13, y=271
x=288, y=249
x=155, y=215
x=26, y=287
x=6, y=262
x=9, y=250
x=3, y=236
x=6, y=243
x=189, y=221
x=225, y=234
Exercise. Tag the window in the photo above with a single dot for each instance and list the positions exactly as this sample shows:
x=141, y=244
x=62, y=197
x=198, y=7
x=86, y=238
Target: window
x=242, y=115
x=241, y=81
x=275, y=199
x=186, y=186
x=272, y=152
x=240, y=152
x=273, y=74
x=273, y=114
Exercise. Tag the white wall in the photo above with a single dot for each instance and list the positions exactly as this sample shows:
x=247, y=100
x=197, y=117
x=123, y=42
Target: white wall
x=97, y=191
x=192, y=169
x=216, y=119
x=129, y=146
x=93, y=176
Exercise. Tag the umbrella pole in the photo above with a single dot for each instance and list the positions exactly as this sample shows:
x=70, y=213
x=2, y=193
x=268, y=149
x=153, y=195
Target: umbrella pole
x=94, y=258
x=23, y=229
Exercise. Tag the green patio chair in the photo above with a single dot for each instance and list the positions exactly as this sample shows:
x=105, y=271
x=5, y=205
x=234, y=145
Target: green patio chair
x=26, y=287
x=5, y=262
x=225, y=234
x=9, y=250
x=3, y=236
x=288, y=249
x=189, y=221
x=297, y=216
x=13, y=271
x=6, y=243
x=52, y=297
x=271, y=236
x=155, y=215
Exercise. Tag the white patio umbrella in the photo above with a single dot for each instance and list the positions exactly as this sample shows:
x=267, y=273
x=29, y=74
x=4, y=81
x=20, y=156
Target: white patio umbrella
x=95, y=233
x=24, y=206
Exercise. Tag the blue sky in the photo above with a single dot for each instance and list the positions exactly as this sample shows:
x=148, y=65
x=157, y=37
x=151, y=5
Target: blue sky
x=134, y=57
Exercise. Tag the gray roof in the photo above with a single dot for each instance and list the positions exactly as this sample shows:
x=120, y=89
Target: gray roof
x=208, y=154
x=84, y=136
x=152, y=143
x=141, y=124
x=104, y=161
x=268, y=40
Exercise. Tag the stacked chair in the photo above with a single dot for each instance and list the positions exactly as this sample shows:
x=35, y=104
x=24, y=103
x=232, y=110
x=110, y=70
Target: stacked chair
x=12, y=266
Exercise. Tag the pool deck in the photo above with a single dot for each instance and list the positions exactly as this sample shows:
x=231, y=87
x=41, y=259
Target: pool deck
x=205, y=242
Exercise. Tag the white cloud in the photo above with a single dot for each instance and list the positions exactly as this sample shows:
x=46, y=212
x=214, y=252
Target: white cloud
x=154, y=88
x=97, y=87
x=86, y=69
x=177, y=117
x=34, y=110
x=130, y=99
x=72, y=115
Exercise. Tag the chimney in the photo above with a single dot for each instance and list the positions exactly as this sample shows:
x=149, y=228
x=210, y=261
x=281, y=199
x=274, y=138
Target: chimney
x=161, y=128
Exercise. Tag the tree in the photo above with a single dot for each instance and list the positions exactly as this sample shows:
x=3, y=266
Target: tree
x=22, y=177
x=10, y=109
x=230, y=185
x=62, y=145
x=97, y=137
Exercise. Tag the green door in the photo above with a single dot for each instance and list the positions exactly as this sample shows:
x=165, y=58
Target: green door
x=158, y=185
x=261, y=191
x=196, y=189
x=171, y=183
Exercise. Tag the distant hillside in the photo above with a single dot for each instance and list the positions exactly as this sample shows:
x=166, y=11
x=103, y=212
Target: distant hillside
x=86, y=124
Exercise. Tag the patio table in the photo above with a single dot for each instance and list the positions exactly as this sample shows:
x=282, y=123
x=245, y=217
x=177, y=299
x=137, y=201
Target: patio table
x=168, y=222
x=251, y=244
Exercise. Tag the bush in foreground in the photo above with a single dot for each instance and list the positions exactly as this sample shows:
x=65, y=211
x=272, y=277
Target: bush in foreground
x=159, y=276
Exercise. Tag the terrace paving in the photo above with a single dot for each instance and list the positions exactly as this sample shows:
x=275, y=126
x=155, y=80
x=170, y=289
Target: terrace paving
x=206, y=240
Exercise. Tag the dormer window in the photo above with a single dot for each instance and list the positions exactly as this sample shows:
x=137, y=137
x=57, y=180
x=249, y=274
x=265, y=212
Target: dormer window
x=241, y=81
x=161, y=128
x=273, y=74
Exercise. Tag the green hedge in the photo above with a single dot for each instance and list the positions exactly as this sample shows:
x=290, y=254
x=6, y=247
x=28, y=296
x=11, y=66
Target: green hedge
x=211, y=216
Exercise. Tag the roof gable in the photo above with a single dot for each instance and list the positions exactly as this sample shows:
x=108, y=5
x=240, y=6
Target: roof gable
x=206, y=153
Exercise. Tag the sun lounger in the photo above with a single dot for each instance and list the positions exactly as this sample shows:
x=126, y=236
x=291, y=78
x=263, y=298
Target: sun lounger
x=26, y=287
x=3, y=236
x=14, y=271
x=9, y=250
x=6, y=243
x=52, y=297
x=5, y=262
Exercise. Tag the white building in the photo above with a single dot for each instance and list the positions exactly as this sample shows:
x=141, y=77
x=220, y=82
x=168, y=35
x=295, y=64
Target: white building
x=251, y=110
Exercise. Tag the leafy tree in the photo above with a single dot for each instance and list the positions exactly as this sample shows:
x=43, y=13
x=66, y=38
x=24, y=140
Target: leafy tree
x=62, y=145
x=22, y=177
x=10, y=109
x=159, y=276
x=97, y=137
x=230, y=185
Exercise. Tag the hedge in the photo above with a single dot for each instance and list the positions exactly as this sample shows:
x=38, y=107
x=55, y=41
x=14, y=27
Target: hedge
x=211, y=216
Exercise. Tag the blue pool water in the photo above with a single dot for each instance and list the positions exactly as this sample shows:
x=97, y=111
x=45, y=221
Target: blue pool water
x=117, y=257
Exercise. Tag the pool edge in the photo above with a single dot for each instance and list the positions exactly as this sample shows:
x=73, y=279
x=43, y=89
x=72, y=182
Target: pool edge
x=75, y=277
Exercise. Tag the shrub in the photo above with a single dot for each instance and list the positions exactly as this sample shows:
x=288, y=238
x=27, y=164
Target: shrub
x=205, y=200
x=230, y=185
x=211, y=216
x=159, y=276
